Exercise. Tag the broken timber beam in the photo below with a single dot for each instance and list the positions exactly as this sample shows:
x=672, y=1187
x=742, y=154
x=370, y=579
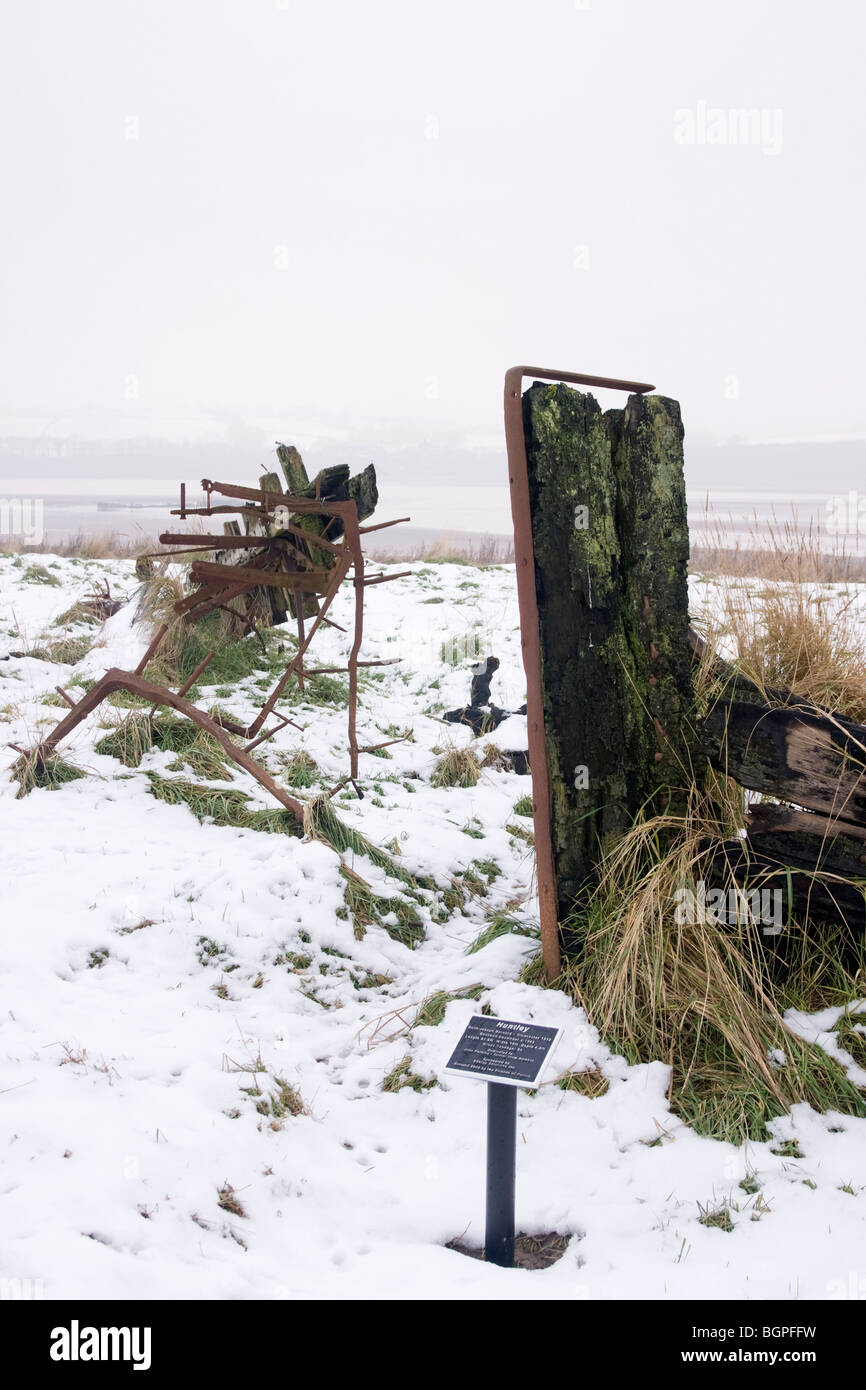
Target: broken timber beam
x=794, y=753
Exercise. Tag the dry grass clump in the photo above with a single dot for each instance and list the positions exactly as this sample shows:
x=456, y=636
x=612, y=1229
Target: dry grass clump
x=495, y=758
x=134, y=734
x=228, y=1200
x=185, y=644
x=788, y=632
x=156, y=607
x=794, y=638
x=697, y=995
x=50, y=773
x=459, y=767
x=775, y=552
x=112, y=545
x=286, y=1102
x=591, y=1083
x=65, y=651
x=455, y=549
x=300, y=768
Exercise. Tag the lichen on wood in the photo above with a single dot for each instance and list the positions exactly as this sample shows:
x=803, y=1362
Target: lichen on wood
x=611, y=546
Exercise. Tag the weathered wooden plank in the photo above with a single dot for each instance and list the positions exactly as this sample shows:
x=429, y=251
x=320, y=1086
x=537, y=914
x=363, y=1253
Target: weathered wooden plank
x=813, y=760
x=817, y=864
x=647, y=443
x=293, y=467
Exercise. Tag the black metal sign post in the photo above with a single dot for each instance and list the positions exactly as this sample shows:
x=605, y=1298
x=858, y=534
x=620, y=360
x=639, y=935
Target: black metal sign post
x=501, y=1171
x=506, y=1054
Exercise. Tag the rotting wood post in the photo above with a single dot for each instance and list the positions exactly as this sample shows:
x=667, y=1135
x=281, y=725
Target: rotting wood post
x=550, y=433
x=610, y=540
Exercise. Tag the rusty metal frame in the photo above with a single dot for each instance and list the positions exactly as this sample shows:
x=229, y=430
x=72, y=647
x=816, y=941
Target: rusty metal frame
x=530, y=637
x=217, y=584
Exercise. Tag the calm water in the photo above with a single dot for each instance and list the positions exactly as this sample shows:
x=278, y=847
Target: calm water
x=834, y=519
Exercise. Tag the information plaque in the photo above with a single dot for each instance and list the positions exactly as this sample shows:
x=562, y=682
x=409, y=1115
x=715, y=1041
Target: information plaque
x=498, y=1049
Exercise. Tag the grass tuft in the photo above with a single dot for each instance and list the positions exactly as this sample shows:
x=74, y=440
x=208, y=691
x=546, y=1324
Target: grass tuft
x=300, y=770
x=321, y=822
x=402, y=1076
x=366, y=909
x=65, y=651
x=432, y=1011
x=501, y=924
x=53, y=772
x=698, y=996
x=137, y=733
x=229, y=1201
x=459, y=767
x=793, y=637
x=718, y=1217
x=38, y=574
x=591, y=1083
x=222, y=806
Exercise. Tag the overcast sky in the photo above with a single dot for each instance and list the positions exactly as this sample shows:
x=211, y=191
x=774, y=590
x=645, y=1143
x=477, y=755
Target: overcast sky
x=368, y=211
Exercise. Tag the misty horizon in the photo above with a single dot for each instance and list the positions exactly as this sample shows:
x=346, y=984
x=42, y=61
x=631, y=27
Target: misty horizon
x=357, y=218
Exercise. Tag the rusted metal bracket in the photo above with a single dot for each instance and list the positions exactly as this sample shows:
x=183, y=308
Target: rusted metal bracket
x=158, y=695
x=530, y=638
x=218, y=584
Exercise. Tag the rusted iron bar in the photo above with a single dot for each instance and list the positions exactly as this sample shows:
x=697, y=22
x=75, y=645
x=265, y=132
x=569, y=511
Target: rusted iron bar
x=333, y=792
x=374, y=747
x=270, y=500
x=201, y=541
x=299, y=619
x=191, y=680
x=382, y=525
x=67, y=697
x=251, y=540
x=385, y=578
x=341, y=569
x=207, y=597
x=190, y=544
x=352, y=532
x=310, y=582
x=341, y=670
x=262, y=738
x=524, y=557
x=154, y=644
x=155, y=694
x=217, y=511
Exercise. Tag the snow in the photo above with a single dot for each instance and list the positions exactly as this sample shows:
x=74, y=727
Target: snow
x=129, y=1086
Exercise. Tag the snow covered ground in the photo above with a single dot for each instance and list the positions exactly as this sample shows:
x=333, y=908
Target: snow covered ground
x=172, y=990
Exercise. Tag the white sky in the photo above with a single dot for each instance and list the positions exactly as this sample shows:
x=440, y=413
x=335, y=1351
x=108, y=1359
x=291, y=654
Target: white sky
x=418, y=269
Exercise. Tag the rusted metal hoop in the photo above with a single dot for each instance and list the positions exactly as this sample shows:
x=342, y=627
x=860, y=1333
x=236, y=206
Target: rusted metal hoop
x=530, y=639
